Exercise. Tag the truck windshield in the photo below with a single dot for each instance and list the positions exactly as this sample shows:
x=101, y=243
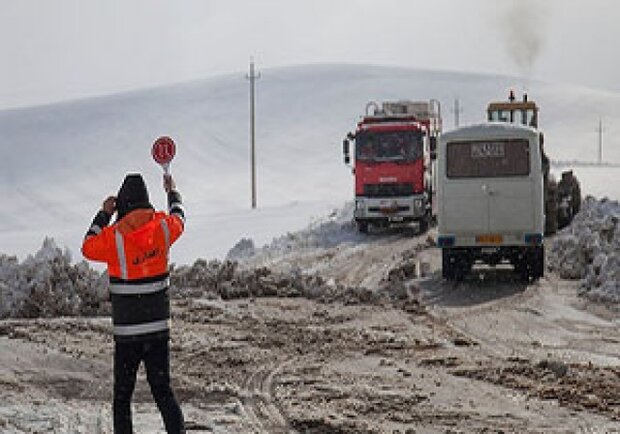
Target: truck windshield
x=389, y=146
x=488, y=159
x=525, y=117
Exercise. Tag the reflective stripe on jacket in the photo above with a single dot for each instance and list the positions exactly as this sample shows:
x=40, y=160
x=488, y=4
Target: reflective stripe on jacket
x=135, y=250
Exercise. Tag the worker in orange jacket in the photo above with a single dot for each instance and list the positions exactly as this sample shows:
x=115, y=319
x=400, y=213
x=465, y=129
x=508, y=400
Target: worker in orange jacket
x=135, y=249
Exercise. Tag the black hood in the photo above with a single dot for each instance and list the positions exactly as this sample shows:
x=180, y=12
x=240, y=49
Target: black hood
x=132, y=195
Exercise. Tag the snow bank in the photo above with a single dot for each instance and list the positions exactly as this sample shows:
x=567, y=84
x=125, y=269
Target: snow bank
x=589, y=249
x=229, y=281
x=335, y=229
x=48, y=285
x=265, y=271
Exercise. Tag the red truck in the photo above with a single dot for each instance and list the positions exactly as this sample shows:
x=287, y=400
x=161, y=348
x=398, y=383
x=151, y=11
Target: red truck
x=394, y=155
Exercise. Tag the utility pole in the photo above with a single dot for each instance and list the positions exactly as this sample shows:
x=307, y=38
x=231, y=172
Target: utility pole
x=600, y=141
x=457, y=110
x=252, y=76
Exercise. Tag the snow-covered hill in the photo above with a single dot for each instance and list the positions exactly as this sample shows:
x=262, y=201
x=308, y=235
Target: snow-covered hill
x=60, y=161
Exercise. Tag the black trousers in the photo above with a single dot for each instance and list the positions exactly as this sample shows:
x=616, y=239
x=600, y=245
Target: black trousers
x=156, y=357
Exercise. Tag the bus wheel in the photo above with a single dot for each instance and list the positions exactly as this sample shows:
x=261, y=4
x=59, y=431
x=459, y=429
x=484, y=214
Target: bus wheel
x=455, y=264
x=531, y=264
x=537, y=261
x=447, y=264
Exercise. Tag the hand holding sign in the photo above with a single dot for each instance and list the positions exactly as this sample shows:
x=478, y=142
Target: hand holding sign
x=169, y=183
x=163, y=152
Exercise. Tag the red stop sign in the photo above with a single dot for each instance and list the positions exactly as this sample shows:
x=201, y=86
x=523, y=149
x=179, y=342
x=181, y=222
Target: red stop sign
x=163, y=150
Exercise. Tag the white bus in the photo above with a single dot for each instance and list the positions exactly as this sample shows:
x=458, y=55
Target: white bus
x=490, y=199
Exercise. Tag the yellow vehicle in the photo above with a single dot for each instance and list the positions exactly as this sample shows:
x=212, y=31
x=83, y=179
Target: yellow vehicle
x=563, y=198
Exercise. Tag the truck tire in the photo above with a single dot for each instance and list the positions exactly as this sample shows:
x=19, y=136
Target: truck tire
x=424, y=224
x=569, y=185
x=565, y=216
x=576, y=196
x=551, y=208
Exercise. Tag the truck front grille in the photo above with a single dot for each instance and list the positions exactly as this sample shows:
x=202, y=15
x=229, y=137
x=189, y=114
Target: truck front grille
x=388, y=190
x=388, y=210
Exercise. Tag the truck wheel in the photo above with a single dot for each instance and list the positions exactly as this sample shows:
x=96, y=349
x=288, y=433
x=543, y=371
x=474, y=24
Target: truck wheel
x=362, y=227
x=576, y=197
x=565, y=217
x=570, y=185
x=423, y=224
x=551, y=208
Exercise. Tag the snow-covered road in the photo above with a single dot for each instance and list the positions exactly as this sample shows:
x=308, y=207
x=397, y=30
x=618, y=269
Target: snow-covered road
x=324, y=330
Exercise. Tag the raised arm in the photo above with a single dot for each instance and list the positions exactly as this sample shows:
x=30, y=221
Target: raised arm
x=95, y=246
x=175, y=203
x=176, y=211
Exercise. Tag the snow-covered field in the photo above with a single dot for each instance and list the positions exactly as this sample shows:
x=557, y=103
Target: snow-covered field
x=60, y=161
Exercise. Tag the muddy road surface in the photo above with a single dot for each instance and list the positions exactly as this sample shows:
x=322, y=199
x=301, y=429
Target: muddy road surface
x=490, y=354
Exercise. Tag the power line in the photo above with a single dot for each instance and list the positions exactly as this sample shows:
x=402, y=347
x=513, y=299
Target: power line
x=600, y=131
x=252, y=76
x=457, y=110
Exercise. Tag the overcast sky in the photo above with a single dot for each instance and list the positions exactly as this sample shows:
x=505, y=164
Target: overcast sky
x=61, y=49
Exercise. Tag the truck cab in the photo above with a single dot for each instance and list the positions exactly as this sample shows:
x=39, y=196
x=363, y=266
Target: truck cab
x=393, y=158
x=515, y=112
x=562, y=198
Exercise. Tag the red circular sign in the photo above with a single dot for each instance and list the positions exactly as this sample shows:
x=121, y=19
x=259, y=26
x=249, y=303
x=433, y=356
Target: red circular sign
x=163, y=150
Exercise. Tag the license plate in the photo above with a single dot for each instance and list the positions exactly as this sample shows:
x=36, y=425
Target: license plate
x=388, y=207
x=388, y=210
x=487, y=150
x=489, y=239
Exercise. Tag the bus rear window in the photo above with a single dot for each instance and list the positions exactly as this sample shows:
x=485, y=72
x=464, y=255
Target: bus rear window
x=488, y=159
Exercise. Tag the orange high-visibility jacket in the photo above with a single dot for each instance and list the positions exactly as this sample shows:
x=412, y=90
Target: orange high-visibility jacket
x=137, y=246
x=135, y=250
